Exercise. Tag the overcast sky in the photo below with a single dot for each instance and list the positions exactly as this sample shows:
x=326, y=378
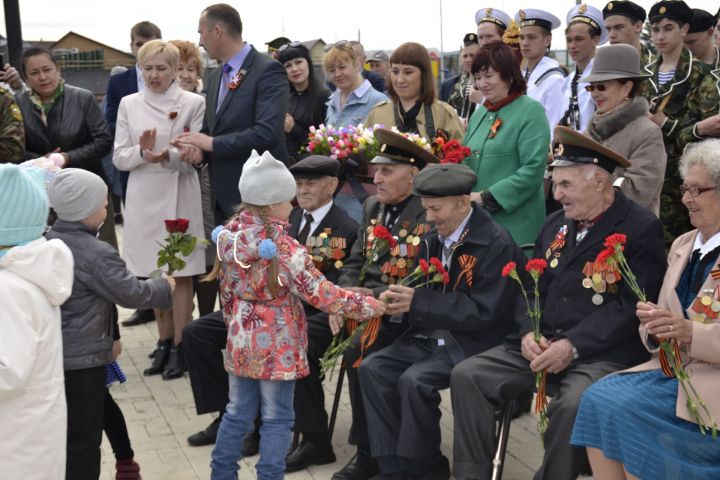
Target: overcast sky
x=381, y=23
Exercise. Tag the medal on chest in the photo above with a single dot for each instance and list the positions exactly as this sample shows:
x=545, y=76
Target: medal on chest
x=706, y=307
x=556, y=246
x=601, y=278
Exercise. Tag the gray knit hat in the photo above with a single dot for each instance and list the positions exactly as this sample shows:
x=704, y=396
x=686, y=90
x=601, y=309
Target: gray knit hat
x=76, y=194
x=265, y=181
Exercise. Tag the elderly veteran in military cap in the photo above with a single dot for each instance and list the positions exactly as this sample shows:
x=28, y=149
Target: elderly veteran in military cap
x=589, y=326
x=624, y=22
x=492, y=24
x=396, y=208
x=699, y=39
x=328, y=233
x=584, y=33
x=544, y=76
x=445, y=325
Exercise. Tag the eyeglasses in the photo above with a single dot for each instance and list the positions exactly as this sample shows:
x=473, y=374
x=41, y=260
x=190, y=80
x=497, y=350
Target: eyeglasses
x=290, y=45
x=600, y=88
x=694, y=191
x=339, y=44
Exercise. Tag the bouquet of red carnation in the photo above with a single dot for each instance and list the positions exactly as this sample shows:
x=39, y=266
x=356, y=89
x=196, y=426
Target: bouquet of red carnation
x=535, y=267
x=177, y=242
x=454, y=152
x=670, y=358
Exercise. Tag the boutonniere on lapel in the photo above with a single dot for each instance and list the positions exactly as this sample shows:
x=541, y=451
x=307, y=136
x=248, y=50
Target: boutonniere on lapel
x=556, y=245
x=495, y=127
x=467, y=263
x=172, y=115
x=237, y=80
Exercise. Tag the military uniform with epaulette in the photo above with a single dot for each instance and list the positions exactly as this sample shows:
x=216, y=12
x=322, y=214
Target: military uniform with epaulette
x=12, y=132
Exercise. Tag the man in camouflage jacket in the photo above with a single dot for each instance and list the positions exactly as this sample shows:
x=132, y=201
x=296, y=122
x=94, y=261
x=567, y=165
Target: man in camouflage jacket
x=12, y=132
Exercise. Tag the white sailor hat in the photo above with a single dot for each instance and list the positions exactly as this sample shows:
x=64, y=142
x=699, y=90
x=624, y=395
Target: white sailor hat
x=532, y=17
x=493, y=15
x=591, y=16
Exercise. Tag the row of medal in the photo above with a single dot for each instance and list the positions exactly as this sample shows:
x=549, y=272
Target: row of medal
x=402, y=255
x=601, y=278
x=325, y=249
x=706, y=306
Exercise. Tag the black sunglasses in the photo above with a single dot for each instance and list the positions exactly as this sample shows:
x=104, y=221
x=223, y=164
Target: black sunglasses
x=599, y=88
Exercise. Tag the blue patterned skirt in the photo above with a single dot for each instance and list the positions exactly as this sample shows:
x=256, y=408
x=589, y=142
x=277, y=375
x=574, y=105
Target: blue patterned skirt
x=631, y=418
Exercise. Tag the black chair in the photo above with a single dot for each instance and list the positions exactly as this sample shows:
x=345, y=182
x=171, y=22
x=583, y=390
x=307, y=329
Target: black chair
x=502, y=433
x=336, y=401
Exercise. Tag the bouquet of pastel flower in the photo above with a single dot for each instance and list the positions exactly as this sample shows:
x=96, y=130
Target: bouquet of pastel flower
x=535, y=267
x=337, y=143
x=670, y=358
x=425, y=274
x=177, y=242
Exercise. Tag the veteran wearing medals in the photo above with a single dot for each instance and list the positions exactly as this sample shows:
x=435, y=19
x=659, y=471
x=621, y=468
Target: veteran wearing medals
x=626, y=420
x=396, y=208
x=446, y=324
x=624, y=23
x=589, y=325
x=543, y=75
x=328, y=233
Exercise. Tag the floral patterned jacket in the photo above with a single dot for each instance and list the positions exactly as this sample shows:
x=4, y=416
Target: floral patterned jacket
x=267, y=336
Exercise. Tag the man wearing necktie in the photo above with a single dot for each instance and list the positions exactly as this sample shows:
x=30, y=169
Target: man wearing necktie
x=445, y=325
x=246, y=104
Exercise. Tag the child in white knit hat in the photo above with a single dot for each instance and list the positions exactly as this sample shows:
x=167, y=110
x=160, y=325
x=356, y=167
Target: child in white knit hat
x=264, y=277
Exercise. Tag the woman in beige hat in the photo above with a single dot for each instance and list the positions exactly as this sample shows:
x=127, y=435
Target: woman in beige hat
x=621, y=123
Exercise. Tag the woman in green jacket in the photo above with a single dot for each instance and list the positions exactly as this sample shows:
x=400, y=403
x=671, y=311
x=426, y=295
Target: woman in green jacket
x=509, y=140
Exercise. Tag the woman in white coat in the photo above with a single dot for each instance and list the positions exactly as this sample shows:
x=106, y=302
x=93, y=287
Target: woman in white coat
x=160, y=187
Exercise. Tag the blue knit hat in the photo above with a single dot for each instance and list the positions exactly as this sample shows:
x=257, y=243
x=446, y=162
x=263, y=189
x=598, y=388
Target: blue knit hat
x=23, y=204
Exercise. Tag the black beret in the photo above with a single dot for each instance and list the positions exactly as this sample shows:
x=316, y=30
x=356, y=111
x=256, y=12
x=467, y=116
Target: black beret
x=672, y=10
x=470, y=39
x=316, y=166
x=444, y=180
x=625, y=8
x=702, y=21
x=578, y=149
x=398, y=150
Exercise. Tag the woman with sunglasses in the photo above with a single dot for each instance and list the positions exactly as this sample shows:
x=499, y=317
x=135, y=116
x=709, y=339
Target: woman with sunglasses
x=621, y=123
x=306, y=106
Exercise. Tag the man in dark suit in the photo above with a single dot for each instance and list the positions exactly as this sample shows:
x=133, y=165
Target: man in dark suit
x=328, y=233
x=448, y=323
x=120, y=85
x=589, y=328
x=246, y=104
x=397, y=209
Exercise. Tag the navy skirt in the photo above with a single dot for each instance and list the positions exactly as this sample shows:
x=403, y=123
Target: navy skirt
x=631, y=418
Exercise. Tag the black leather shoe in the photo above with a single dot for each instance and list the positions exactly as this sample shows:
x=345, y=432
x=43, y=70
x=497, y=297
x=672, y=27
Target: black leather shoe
x=439, y=471
x=308, y=453
x=360, y=467
x=251, y=445
x=138, y=318
x=176, y=364
x=207, y=436
x=161, y=358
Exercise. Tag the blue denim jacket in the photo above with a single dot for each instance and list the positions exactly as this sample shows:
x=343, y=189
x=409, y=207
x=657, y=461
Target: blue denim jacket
x=357, y=107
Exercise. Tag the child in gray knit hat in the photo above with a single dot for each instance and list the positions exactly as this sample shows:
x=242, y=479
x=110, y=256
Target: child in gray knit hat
x=102, y=280
x=264, y=277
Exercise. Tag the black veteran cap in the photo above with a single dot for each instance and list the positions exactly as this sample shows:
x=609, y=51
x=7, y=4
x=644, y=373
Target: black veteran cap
x=672, y=10
x=316, y=166
x=702, y=21
x=577, y=149
x=396, y=149
x=276, y=43
x=625, y=8
x=445, y=180
x=470, y=39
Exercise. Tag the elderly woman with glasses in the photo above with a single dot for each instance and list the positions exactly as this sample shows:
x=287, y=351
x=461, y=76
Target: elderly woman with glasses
x=636, y=424
x=621, y=123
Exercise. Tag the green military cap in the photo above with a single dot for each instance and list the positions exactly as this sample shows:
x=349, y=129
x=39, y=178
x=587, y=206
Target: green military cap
x=396, y=149
x=444, y=180
x=316, y=166
x=576, y=149
x=672, y=10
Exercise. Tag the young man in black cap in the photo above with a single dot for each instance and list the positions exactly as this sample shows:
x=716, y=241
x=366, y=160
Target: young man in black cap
x=397, y=209
x=459, y=91
x=700, y=39
x=274, y=45
x=328, y=233
x=588, y=325
x=624, y=23
x=446, y=324
x=672, y=91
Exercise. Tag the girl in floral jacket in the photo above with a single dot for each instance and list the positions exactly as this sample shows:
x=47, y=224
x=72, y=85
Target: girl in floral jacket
x=264, y=277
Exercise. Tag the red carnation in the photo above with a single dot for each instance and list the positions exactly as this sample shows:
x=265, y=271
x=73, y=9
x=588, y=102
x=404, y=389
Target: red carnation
x=604, y=256
x=435, y=262
x=445, y=278
x=424, y=266
x=616, y=239
x=537, y=265
x=508, y=269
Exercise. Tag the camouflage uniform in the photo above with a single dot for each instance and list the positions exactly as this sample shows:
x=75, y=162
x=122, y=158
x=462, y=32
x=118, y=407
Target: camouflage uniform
x=683, y=91
x=706, y=104
x=12, y=132
x=458, y=98
x=646, y=56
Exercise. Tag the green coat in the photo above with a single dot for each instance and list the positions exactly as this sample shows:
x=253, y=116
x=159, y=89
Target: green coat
x=511, y=165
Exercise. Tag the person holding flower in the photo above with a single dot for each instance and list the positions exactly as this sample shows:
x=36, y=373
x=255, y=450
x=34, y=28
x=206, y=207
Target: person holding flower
x=509, y=139
x=468, y=312
x=643, y=398
x=161, y=186
x=588, y=324
x=264, y=275
x=413, y=106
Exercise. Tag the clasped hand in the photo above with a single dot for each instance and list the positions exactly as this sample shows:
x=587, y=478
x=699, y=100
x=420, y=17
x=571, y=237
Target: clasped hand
x=663, y=324
x=551, y=356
